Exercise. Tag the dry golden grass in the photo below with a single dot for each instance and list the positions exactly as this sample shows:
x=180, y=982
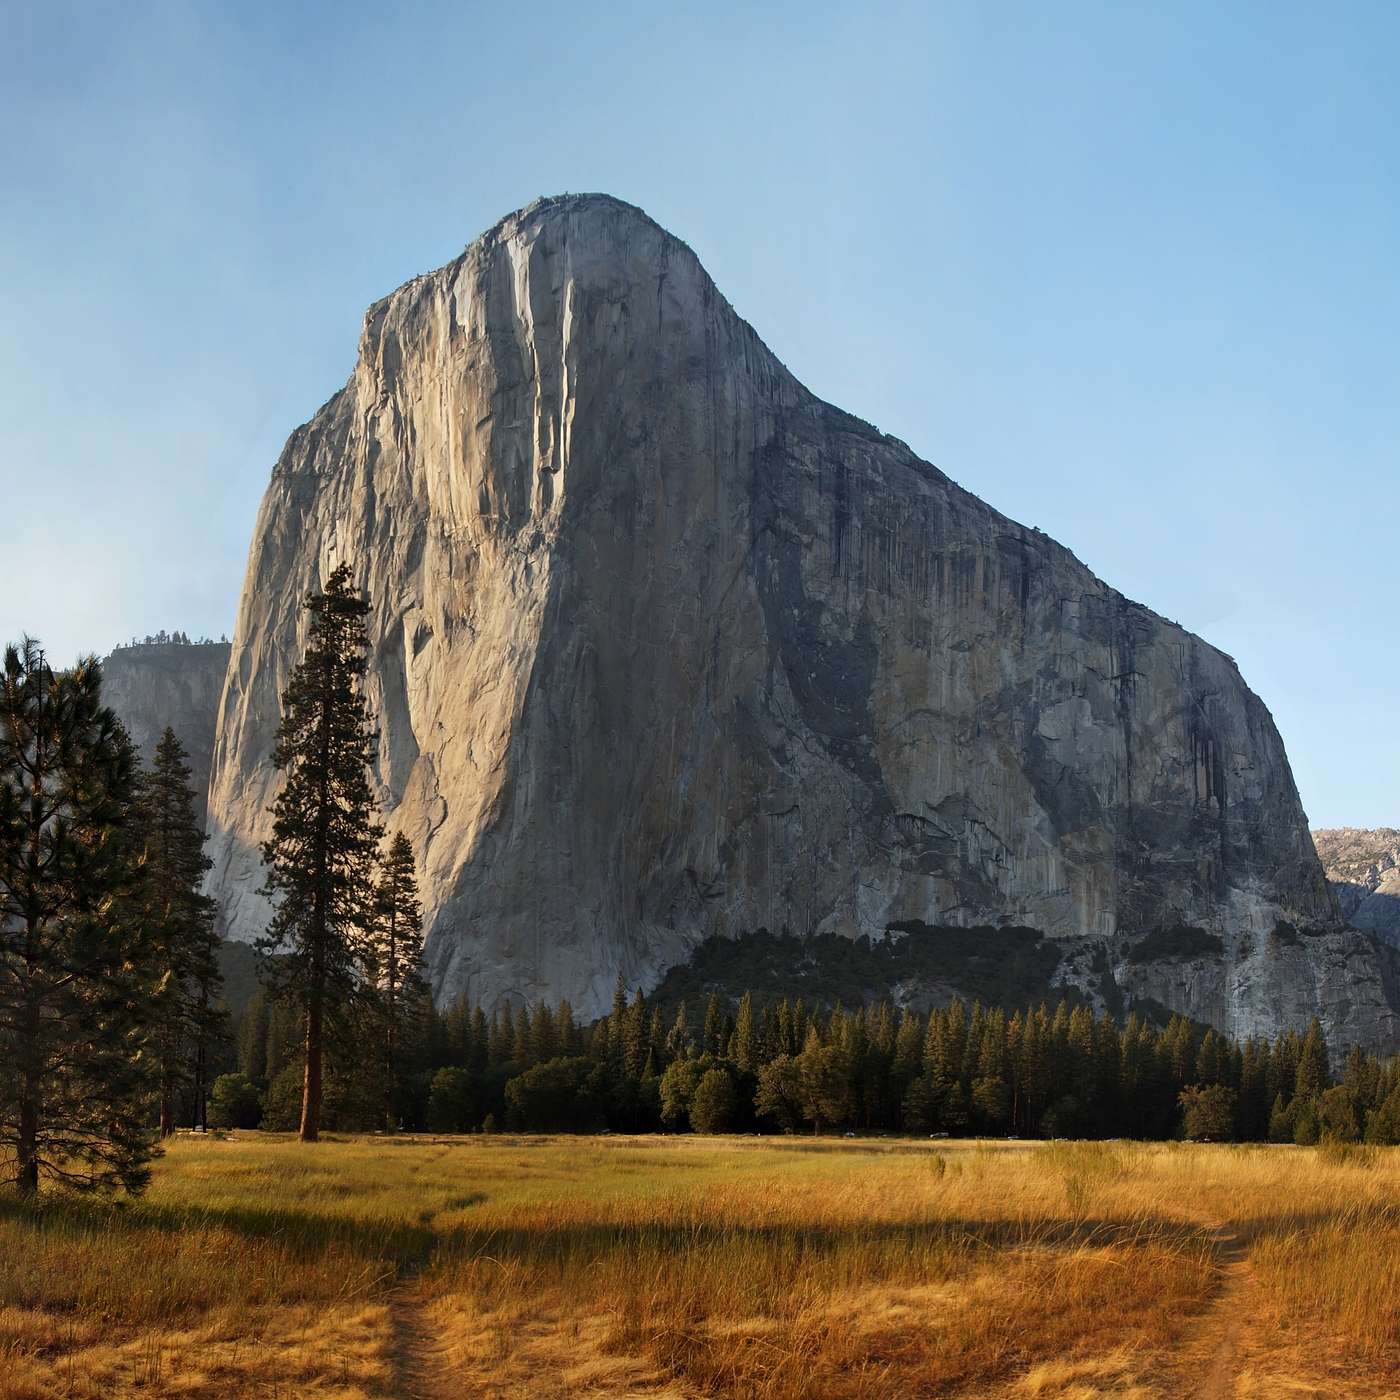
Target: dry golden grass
x=686, y=1267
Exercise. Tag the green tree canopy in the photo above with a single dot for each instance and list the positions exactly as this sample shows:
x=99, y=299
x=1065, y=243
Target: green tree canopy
x=75, y=975
x=178, y=921
x=715, y=1103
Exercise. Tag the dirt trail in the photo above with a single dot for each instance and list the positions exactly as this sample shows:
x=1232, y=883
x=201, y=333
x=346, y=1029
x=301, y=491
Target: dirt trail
x=422, y=1367
x=1220, y=1330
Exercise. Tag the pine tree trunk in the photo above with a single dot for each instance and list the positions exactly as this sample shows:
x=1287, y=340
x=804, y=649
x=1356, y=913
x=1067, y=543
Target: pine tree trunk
x=391, y=1059
x=197, y=1090
x=27, y=1146
x=27, y=1142
x=167, y=1108
x=27, y=1139
x=390, y=1122
x=311, y=1084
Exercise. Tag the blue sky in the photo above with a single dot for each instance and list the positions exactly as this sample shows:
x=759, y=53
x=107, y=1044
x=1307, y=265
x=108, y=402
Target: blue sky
x=1126, y=271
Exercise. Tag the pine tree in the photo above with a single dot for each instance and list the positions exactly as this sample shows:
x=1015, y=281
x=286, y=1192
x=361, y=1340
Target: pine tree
x=743, y=1044
x=714, y=1026
x=544, y=1035
x=74, y=979
x=1254, y=1103
x=1312, y=1076
x=394, y=956
x=908, y=1050
x=1108, y=1058
x=178, y=920
x=1212, y=1059
x=481, y=1043
x=498, y=1038
x=634, y=1036
x=566, y=1030
x=252, y=1039
x=678, y=1041
x=522, y=1038
x=600, y=1044
x=321, y=856
x=824, y=1077
x=1283, y=1064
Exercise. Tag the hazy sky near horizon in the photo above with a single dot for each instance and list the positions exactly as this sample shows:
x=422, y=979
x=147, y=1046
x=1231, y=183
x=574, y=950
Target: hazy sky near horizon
x=1128, y=272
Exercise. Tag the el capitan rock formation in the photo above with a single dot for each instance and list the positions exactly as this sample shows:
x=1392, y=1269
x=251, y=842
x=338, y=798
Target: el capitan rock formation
x=667, y=647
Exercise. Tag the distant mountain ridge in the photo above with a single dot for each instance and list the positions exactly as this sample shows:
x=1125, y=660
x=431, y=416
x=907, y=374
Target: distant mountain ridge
x=1362, y=865
x=153, y=684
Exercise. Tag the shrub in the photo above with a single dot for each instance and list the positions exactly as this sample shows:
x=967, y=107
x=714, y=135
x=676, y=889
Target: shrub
x=1208, y=1113
x=715, y=1103
x=678, y=1086
x=555, y=1097
x=451, y=1101
x=234, y=1102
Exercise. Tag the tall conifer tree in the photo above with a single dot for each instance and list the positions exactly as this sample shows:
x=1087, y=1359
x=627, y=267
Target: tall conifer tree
x=74, y=978
x=743, y=1047
x=634, y=1036
x=395, y=956
x=321, y=857
x=178, y=921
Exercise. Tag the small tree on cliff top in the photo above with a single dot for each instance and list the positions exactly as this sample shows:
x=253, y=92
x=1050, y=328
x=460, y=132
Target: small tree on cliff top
x=321, y=857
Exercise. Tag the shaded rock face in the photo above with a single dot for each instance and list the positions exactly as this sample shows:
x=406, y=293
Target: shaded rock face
x=157, y=685
x=1278, y=981
x=666, y=647
x=1363, y=868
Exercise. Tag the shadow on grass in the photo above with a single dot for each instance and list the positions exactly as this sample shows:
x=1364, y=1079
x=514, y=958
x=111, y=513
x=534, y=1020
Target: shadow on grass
x=302, y=1235
x=411, y=1246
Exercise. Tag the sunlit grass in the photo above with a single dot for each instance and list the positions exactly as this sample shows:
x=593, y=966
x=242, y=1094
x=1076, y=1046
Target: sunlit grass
x=692, y=1266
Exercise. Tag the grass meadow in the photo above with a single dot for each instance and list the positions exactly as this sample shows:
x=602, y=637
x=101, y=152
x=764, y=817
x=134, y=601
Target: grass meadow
x=688, y=1266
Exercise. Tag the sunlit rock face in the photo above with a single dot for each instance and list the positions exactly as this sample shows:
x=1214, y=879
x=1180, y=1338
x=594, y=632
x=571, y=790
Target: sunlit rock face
x=664, y=646
x=1363, y=867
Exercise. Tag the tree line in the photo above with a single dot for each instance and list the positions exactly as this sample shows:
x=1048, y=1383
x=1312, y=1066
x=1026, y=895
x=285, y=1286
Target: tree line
x=168, y=639
x=784, y=1067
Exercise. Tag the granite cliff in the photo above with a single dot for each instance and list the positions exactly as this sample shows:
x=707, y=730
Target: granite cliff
x=665, y=647
x=155, y=684
x=1363, y=868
